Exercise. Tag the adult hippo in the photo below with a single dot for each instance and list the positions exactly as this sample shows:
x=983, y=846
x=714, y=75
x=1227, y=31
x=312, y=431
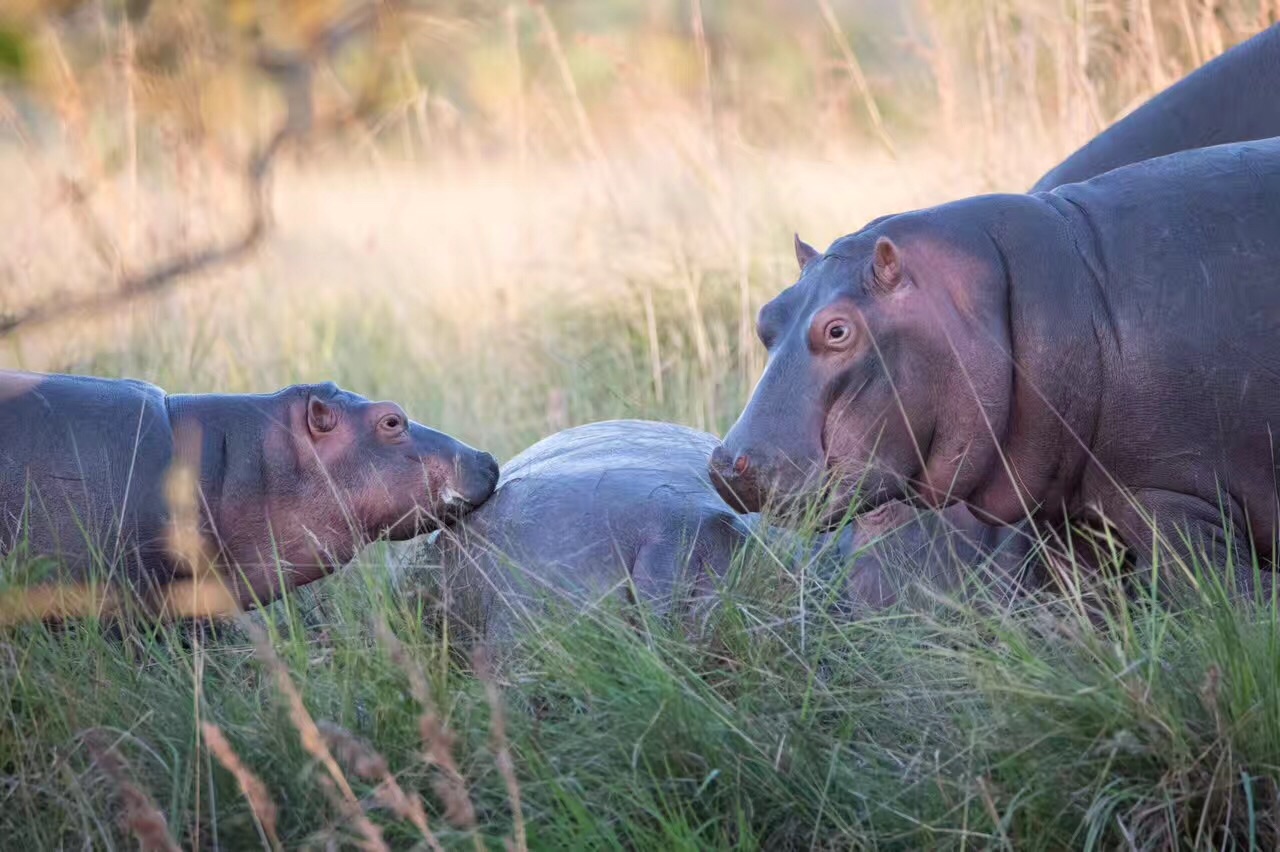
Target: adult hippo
x=624, y=509
x=290, y=484
x=1108, y=349
x=1232, y=98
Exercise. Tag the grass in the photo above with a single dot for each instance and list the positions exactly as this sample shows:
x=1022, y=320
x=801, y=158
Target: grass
x=504, y=297
x=770, y=726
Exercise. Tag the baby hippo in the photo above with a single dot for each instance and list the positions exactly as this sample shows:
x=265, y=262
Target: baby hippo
x=280, y=488
x=617, y=508
x=627, y=508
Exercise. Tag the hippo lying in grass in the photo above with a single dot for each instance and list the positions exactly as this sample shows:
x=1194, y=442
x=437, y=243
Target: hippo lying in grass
x=1233, y=98
x=619, y=510
x=284, y=487
x=1108, y=350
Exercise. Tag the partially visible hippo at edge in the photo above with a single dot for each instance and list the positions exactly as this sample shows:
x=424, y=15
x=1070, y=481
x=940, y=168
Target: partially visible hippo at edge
x=1232, y=98
x=627, y=506
x=291, y=484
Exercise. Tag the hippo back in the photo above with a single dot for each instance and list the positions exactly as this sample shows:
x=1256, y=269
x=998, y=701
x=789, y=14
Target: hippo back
x=614, y=509
x=1233, y=98
x=82, y=464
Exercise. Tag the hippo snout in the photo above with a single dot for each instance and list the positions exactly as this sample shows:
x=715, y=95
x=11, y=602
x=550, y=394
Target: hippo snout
x=742, y=479
x=473, y=481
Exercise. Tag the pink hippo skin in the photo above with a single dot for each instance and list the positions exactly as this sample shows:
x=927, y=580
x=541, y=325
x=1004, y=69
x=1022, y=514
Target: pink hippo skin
x=290, y=484
x=1108, y=351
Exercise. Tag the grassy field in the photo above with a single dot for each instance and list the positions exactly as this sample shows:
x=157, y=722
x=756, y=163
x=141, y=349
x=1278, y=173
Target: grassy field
x=607, y=261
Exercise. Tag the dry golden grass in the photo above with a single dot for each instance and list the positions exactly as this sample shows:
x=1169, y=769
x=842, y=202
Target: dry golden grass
x=583, y=227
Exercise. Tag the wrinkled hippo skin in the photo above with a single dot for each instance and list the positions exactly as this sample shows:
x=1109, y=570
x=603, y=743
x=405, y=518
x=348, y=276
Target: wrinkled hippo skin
x=1109, y=349
x=1232, y=98
x=291, y=484
x=626, y=507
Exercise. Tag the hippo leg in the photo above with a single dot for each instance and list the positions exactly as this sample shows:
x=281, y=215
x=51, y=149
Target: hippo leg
x=1190, y=530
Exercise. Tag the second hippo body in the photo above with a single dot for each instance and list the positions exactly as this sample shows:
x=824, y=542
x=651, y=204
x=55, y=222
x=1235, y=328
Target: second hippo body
x=621, y=507
x=625, y=508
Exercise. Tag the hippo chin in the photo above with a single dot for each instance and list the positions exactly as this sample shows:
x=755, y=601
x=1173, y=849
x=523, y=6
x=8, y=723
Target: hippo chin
x=1108, y=351
x=284, y=486
x=624, y=509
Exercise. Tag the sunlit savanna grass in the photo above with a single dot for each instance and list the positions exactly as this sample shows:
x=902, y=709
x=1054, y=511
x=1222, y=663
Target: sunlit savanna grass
x=503, y=302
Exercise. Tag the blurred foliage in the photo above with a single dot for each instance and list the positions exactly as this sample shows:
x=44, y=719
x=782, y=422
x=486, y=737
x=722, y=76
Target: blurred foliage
x=479, y=76
x=13, y=53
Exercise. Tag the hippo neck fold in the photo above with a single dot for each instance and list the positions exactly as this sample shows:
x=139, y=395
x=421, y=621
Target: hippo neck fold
x=1058, y=325
x=258, y=481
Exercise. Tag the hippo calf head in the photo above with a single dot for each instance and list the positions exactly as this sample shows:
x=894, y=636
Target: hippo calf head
x=394, y=476
x=878, y=356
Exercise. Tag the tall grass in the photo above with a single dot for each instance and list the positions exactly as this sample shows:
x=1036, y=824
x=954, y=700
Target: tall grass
x=563, y=218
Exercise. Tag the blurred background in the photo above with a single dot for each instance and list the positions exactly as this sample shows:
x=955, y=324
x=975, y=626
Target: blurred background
x=510, y=216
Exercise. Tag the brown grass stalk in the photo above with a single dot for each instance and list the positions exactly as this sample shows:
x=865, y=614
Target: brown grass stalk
x=366, y=762
x=251, y=786
x=498, y=743
x=437, y=740
x=587, y=135
x=140, y=816
x=311, y=738
x=857, y=75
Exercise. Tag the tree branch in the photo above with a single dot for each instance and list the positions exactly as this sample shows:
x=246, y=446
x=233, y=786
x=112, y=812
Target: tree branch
x=292, y=73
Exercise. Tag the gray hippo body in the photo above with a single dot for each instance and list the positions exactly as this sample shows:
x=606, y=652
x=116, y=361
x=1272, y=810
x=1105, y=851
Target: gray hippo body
x=1232, y=98
x=626, y=507
x=617, y=508
x=286, y=486
x=1109, y=350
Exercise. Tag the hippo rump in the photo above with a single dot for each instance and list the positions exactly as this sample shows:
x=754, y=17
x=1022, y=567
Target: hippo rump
x=1108, y=351
x=1232, y=98
x=290, y=484
x=625, y=508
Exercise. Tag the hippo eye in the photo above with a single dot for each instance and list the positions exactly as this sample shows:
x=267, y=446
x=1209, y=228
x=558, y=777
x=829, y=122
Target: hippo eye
x=391, y=423
x=838, y=333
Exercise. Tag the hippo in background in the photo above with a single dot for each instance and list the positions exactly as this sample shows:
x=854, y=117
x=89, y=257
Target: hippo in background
x=622, y=510
x=285, y=487
x=1234, y=97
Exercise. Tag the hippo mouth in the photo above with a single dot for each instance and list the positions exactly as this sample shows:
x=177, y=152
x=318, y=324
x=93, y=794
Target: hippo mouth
x=420, y=520
x=454, y=505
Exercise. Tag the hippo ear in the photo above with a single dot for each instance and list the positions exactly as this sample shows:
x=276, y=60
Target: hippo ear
x=886, y=265
x=804, y=252
x=321, y=416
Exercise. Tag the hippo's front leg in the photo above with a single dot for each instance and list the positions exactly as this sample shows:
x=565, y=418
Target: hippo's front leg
x=1186, y=534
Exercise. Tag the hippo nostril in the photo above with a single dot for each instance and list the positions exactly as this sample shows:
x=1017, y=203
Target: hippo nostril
x=740, y=465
